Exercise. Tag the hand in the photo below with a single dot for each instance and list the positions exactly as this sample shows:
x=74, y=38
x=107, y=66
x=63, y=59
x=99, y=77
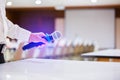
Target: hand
x=37, y=37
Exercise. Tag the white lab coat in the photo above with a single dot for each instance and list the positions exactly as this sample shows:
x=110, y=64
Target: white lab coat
x=7, y=28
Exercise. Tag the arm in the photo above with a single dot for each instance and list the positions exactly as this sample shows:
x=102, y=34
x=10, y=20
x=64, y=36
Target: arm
x=14, y=31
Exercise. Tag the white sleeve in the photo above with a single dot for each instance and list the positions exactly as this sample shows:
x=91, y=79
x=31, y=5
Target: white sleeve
x=14, y=31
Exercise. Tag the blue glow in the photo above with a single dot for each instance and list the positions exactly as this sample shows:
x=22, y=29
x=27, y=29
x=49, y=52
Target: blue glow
x=48, y=37
x=32, y=44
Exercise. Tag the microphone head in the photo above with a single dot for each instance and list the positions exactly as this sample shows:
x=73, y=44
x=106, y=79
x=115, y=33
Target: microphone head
x=56, y=35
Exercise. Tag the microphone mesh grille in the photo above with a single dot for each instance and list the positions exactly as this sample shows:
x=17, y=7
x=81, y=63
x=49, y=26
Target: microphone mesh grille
x=56, y=35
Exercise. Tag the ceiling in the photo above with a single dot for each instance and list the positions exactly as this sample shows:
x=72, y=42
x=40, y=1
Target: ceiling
x=62, y=3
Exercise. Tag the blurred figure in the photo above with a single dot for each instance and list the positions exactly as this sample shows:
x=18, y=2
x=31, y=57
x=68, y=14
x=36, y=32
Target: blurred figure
x=7, y=28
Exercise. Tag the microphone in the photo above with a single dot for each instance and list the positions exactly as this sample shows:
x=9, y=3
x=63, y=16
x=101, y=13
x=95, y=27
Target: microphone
x=53, y=36
x=49, y=37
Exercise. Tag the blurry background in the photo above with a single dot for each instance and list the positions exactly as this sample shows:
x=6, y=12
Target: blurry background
x=86, y=25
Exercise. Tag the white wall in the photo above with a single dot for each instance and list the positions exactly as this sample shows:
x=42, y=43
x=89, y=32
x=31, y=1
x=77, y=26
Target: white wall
x=91, y=24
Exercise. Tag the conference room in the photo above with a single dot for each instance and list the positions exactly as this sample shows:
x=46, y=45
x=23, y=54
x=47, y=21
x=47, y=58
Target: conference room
x=82, y=37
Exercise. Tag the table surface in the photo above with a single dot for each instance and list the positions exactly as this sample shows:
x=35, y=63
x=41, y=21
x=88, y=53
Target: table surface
x=103, y=53
x=48, y=69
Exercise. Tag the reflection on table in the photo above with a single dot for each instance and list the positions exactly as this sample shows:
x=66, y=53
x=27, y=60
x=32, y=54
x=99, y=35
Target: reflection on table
x=48, y=69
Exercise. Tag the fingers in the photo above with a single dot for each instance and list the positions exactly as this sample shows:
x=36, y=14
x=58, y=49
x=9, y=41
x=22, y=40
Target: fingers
x=37, y=37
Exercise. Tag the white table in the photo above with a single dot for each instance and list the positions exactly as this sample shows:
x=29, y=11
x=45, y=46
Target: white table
x=47, y=69
x=109, y=53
